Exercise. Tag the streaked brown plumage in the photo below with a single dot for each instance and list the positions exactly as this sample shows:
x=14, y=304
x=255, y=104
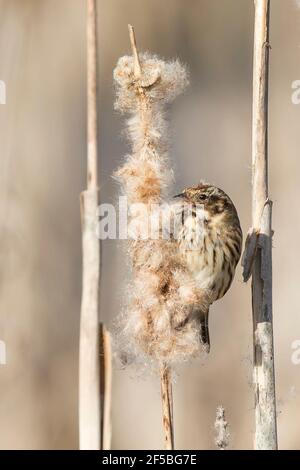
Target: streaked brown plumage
x=210, y=240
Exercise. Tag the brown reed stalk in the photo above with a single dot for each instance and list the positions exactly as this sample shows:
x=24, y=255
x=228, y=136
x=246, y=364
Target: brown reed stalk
x=167, y=406
x=92, y=155
x=258, y=252
x=105, y=386
x=89, y=351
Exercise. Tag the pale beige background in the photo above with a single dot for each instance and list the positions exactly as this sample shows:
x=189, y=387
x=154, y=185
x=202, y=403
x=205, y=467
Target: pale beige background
x=42, y=171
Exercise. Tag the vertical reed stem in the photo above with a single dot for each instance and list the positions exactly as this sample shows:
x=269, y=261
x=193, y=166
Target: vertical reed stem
x=264, y=377
x=92, y=156
x=167, y=407
x=105, y=387
x=89, y=350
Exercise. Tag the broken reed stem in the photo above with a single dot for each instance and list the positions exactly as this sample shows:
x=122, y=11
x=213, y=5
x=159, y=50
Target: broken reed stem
x=105, y=386
x=137, y=65
x=167, y=407
x=264, y=377
x=89, y=350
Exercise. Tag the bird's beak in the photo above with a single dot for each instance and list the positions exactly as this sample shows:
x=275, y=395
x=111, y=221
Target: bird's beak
x=179, y=195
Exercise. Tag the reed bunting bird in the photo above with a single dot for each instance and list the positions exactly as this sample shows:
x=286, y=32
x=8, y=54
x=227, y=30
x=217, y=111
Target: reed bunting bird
x=210, y=241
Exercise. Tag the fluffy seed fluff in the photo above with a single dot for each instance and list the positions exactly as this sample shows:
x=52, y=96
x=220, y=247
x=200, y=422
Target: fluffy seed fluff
x=222, y=431
x=158, y=323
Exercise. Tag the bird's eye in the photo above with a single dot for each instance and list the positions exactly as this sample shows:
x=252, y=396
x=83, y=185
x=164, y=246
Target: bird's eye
x=202, y=197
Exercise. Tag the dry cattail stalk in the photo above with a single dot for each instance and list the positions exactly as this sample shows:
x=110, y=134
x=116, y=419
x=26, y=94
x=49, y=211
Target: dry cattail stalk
x=163, y=292
x=158, y=324
x=222, y=431
x=92, y=155
x=89, y=354
x=105, y=386
x=167, y=407
x=257, y=258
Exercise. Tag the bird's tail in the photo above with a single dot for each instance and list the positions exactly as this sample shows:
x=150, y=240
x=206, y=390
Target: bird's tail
x=204, y=331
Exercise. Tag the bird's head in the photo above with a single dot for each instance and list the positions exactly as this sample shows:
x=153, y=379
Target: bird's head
x=213, y=199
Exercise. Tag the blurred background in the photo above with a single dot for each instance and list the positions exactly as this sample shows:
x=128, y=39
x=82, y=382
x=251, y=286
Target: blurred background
x=42, y=171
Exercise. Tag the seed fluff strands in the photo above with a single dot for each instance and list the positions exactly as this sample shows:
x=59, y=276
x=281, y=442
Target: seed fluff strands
x=222, y=431
x=157, y=324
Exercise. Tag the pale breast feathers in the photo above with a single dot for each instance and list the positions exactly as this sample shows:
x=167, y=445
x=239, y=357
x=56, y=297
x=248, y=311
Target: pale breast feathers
x=211, y=251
